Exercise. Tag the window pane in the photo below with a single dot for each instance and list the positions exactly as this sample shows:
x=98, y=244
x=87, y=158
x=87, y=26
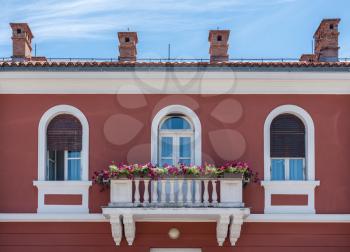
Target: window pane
x=51, y=165
x=73, y=169
x=277, y=169
x=176, y=123
x=52, y=155
x=167, y=147
x=166, y=161
x=185, y=161
x=73, y=154
x=55, y=165
x=60, y=165
x=296, y=169
x=185, y=147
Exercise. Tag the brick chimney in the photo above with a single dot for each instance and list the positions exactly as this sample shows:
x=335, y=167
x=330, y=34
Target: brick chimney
x=308, y=57
x=127, y=46
x=218, y=40
x=21, y=41
x=326, y=40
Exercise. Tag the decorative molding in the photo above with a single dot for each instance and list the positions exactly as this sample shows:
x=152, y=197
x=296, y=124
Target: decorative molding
x=63, y=187
x=52, y=217
x=299, y=218
x=197, y=130
x=94, y=217
x=146, y=82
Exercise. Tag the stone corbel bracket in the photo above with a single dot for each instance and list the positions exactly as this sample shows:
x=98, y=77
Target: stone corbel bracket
x=116, y=227
x=228, y=220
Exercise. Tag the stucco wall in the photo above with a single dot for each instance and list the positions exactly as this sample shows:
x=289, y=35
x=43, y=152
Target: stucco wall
x=90, y=237
x=120, y=131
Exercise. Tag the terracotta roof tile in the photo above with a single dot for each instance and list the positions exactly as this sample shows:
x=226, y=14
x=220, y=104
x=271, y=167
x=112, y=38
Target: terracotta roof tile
x=169, y=64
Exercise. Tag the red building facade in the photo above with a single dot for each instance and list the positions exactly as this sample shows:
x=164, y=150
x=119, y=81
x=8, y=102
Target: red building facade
x=234, y=111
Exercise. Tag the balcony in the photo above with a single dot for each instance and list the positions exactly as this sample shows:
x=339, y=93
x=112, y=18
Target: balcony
x=178, y=199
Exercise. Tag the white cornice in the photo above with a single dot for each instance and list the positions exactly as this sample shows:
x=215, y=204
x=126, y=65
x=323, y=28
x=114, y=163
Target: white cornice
x=310, y=218
x=174, y=82
x=65, y=217
x=54, y=217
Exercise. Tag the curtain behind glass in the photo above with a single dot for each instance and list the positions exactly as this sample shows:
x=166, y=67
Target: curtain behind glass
x=296, y=169
x=74, y=165
x=277, y=169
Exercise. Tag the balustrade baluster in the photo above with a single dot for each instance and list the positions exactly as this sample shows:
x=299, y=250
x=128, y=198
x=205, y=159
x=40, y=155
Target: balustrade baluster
x=206, y=193
x=188, y=192
x=146, y=193
x=154, y=191
x=172, y=191
x=180, y=197
x=163, y=192
x=137, y=192
x=198, y=191
x=214, y=196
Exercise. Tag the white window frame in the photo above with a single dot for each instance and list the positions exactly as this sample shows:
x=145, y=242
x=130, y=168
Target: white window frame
x=175, y=134
x=189, y=115
x=291, y=187
x=46, y=187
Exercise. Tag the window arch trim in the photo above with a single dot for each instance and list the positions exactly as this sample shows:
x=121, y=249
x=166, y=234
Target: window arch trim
x=191, y=115
x=42, y=141
x=305, y=117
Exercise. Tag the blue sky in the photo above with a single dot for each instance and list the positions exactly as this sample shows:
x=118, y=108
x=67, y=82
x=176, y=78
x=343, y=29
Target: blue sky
x=88, y=28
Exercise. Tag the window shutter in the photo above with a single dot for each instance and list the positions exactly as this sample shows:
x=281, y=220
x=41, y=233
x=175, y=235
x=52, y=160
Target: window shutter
x=64, y=132
x=287, y=136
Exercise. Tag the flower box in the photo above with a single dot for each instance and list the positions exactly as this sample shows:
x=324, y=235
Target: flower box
x=231, y=191
x=233, y=175
x=121, y=192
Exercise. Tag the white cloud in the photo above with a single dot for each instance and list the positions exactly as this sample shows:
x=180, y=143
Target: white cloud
x=67, y=19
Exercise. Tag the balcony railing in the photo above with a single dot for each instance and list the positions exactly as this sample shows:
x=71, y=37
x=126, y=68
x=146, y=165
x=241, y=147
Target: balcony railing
x=177, y=192
x=177, y=199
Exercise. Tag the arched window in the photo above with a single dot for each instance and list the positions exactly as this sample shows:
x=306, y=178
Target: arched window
x=176, y=142
x=289, y=159
x=287, y=148
x=64, y=145
x=289, y=144
x=63, y=152
x=176, y=136
x=63, y=159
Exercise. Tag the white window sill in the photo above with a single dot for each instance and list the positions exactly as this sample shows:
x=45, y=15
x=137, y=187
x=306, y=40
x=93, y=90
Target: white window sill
x=63, y=183
x=63, y=188
x=290, y=187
